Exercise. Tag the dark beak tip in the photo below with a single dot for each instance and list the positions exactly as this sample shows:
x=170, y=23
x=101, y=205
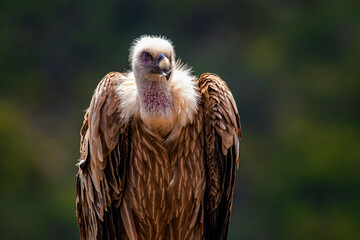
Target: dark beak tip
x=168, y=74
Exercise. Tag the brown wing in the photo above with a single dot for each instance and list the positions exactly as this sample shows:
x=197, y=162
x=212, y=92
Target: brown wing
x=222, y=134
x=102, y=167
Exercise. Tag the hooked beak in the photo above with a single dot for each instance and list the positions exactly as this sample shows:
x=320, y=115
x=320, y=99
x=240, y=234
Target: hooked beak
x=164, y=65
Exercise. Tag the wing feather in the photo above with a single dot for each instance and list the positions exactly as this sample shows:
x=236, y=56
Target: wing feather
x=104, y=149
x=222, y=134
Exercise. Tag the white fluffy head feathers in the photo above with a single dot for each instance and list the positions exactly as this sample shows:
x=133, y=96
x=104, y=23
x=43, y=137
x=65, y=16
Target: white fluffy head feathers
x=151, y=43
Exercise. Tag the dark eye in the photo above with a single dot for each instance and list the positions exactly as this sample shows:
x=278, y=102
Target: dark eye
x=147, y=55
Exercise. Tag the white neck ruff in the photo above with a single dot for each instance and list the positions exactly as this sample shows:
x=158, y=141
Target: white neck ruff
x=158, y=106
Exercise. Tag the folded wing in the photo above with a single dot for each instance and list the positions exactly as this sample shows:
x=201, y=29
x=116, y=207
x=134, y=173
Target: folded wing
x=222, y=134
x=102, y=166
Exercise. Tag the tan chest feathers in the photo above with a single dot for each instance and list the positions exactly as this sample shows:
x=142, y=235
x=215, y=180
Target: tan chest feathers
x=166, y=183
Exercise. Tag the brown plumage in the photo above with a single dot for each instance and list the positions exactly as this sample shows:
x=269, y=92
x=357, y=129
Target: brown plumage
x=159, y=171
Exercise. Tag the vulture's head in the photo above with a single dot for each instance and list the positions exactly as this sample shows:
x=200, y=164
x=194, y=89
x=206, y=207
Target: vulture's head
x=152, y=58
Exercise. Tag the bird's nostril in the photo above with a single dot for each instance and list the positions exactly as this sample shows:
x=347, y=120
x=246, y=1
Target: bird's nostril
x=160, y=57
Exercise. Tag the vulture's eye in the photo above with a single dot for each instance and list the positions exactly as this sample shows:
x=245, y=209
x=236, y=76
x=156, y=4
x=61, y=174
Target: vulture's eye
x=147, y=55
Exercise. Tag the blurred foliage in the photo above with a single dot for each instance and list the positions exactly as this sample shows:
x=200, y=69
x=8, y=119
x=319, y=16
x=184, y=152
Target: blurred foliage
x=293, y=67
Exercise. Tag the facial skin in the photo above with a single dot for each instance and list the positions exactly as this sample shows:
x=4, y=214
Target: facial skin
x=154, y=65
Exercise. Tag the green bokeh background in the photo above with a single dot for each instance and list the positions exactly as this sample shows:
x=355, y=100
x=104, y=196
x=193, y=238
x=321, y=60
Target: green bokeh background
x=293, y=68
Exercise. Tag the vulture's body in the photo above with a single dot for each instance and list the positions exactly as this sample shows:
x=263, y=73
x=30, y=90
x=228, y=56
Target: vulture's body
x=159, y=151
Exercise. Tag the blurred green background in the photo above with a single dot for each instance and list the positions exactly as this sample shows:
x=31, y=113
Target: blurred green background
x=293, y=68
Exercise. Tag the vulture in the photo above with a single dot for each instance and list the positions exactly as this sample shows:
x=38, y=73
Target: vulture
x=158, y=152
